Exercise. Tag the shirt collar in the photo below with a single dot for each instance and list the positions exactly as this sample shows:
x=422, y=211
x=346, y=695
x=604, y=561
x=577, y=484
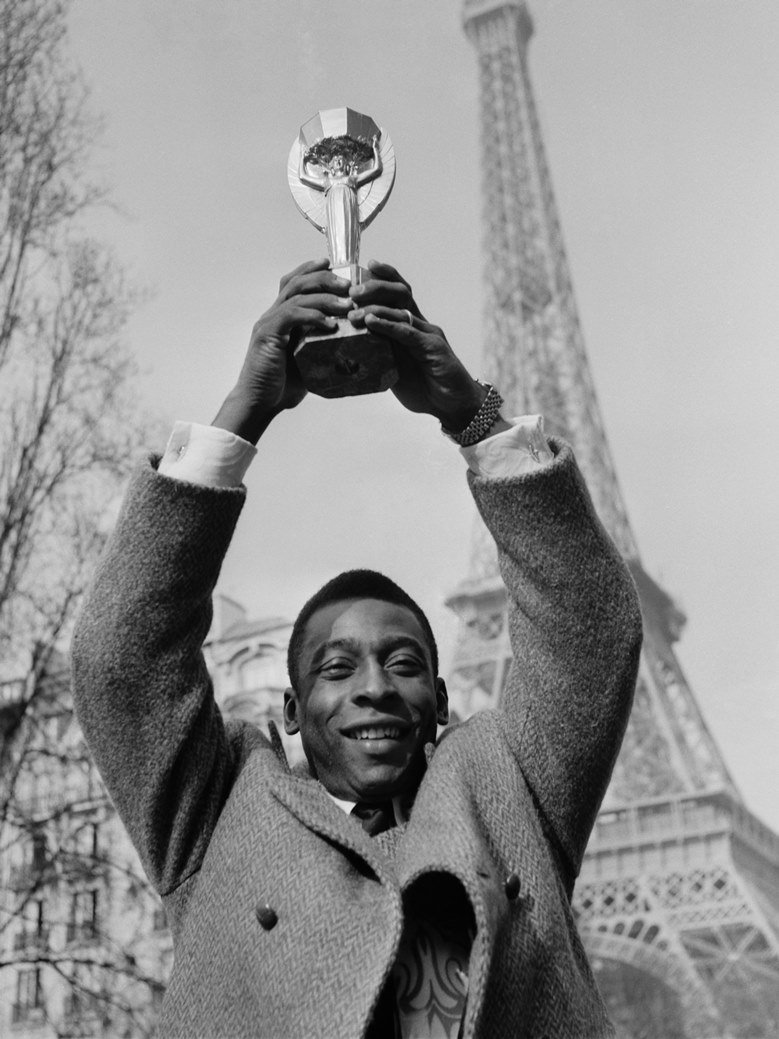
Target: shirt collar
x=346, y=806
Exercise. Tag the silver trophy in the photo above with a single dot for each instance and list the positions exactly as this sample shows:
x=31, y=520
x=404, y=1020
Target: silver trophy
x=341, y=170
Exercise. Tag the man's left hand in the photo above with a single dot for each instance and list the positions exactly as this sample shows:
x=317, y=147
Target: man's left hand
x=432, y=379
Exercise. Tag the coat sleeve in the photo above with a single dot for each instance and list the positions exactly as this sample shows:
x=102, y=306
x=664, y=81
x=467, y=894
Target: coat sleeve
x=575, y=630
x=142, y=693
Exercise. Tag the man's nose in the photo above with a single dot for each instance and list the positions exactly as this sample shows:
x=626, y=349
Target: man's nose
x=376, y=682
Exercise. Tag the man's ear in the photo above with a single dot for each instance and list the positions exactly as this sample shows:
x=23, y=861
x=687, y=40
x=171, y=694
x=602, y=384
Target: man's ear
x=441, y=702
x=290, y=712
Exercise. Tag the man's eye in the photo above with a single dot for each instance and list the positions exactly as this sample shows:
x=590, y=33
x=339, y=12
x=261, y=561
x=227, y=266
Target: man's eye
x=336, y=669
x=406, y=665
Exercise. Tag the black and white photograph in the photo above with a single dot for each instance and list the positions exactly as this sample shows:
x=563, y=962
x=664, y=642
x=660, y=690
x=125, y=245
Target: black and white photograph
x=389, y=568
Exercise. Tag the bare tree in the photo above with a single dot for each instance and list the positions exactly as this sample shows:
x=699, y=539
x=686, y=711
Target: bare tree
x=65, y=437
x=83, y=941
x=68, y=436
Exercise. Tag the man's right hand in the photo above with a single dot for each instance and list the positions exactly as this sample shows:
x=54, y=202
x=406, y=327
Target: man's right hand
x=310, y=299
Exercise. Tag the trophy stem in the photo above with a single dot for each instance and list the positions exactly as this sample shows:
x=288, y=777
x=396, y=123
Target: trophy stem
x=351, y=271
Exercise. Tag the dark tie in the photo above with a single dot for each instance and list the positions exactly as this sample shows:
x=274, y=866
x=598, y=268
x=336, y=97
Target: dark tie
x=375, y=818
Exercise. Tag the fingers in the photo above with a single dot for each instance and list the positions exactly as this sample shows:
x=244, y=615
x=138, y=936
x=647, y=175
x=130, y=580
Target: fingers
x=313, y=295
x=307, y=318
x=294, y=316
x=322, y=301
x=396, y=323
x=385, y=272
x=421, y=342
x=313, y=312
x=304, y=268
x=385, y=287
x=310, y=296
x=311, y=277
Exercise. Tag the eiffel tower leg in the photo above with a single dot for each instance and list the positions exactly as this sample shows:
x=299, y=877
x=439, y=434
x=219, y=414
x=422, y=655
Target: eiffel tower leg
x=681, y=884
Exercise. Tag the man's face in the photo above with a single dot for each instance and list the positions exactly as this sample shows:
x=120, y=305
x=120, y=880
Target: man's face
x=367, y=700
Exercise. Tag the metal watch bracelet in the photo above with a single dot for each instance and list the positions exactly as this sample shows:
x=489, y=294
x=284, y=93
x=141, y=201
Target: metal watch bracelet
x=482, y=422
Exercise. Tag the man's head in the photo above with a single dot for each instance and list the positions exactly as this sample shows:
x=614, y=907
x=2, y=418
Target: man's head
x=365, y=693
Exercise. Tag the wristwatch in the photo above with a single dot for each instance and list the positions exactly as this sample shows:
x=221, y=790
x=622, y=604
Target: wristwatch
x=482, y=422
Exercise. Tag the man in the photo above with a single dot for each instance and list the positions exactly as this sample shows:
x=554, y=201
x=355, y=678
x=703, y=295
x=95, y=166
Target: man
x=394, y=887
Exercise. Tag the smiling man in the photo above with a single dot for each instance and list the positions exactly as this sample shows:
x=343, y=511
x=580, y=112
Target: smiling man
x=365, y=695
x=397, y=886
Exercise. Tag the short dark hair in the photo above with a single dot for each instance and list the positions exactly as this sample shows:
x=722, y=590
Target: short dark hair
x=354, y=584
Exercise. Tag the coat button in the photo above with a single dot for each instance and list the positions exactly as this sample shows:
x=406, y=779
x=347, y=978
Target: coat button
x=512, y=886
x=267, y=916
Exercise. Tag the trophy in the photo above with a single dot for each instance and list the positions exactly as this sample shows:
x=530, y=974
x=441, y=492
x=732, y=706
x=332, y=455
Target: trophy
x=341, y=170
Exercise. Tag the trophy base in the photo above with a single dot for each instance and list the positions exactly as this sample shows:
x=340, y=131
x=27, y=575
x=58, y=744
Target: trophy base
x=348, y=361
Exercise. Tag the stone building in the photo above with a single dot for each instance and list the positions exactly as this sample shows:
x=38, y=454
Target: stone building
x=84, y=946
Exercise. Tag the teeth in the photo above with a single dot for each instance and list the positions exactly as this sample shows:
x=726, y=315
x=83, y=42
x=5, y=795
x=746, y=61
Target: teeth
x=375, y=732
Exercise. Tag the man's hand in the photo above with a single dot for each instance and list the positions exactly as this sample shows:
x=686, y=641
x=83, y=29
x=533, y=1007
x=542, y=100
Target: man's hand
x=309, y=299
x=432, y=378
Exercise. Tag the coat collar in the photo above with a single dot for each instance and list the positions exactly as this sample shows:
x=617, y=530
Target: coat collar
x=306, y=798
x=310, y=803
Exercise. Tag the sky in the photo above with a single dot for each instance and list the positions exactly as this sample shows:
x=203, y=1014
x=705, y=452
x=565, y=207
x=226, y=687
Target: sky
x=660, y=127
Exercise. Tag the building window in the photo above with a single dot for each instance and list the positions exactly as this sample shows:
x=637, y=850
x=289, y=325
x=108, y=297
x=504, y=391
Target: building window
x=87, y=841
x=34, y=931
x=82, y=1000
x=38, y=851
x=29, y=873
x=83, y=922
x=264, y=670
x=159, y=919
x=29, y=995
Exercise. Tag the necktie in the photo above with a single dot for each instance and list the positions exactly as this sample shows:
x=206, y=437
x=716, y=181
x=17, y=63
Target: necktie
x=375, y=818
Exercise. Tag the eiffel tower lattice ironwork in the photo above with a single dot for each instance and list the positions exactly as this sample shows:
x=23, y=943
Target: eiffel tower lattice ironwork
x=678, y=900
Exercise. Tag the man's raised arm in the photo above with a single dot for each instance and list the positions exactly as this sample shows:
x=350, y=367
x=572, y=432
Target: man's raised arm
x=143, y=694
x=575, y=629
x=574, y=616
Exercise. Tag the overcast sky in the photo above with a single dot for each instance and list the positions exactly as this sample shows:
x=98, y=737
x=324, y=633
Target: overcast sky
x=660, y=124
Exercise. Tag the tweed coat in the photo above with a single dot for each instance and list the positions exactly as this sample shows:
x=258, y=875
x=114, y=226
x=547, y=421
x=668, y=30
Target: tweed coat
x=286, y=916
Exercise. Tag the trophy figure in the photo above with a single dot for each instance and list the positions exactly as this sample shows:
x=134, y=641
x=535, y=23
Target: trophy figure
x=341, y=170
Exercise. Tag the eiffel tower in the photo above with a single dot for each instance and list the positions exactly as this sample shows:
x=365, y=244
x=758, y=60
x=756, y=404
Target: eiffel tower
x=678, y=900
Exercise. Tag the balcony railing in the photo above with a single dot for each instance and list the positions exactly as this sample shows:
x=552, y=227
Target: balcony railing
x=680, y=818
x=21, y=1012
x=13, y=692
x=31, y=938
x=81, y=931
x=26, y=876
x=83, y=1004
x=81, y=1023
x=68, y=798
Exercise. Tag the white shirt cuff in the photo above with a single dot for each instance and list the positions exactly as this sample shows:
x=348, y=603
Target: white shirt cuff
x=512, y=452
x=206, y=455
x=214, y=457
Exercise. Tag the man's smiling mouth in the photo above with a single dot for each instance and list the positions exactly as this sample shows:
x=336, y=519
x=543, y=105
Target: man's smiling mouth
x=375, y=732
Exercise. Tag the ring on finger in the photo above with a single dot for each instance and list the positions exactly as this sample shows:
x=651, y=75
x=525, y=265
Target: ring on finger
x=409, y=317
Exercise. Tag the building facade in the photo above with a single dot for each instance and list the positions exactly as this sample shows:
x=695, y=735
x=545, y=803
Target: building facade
x=84, y=945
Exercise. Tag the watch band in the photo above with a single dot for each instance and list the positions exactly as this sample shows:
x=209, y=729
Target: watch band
x=482, y=422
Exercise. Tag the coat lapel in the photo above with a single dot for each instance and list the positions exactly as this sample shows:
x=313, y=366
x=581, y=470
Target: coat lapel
x=310, y=803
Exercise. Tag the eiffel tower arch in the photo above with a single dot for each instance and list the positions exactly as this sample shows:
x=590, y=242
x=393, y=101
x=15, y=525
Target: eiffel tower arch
x=678, y=899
